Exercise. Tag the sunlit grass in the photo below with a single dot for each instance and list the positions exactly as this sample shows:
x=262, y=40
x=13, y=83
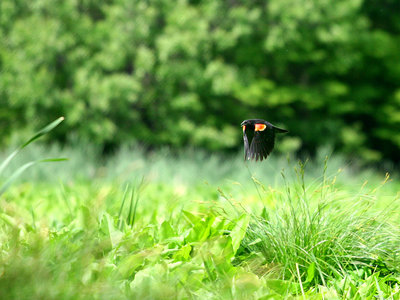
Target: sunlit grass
x=196, y=226
x=315, y=235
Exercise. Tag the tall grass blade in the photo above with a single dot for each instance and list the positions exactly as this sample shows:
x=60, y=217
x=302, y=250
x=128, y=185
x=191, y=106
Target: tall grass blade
x=22, y=169
x=139, y=189
x=43, y=131
x=134, y=209
x=66, y=199
x=301, y=284
x=133, y=203
x=40, y=133
x=128, y=219
x=122, y=207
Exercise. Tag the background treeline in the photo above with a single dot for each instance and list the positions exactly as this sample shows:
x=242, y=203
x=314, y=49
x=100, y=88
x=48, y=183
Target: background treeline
x=166, y=72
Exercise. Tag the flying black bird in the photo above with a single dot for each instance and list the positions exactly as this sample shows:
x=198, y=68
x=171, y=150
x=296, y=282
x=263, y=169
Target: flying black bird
x=259, y=138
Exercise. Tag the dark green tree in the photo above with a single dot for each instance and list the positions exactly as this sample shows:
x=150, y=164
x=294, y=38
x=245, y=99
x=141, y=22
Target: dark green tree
x=179, y=73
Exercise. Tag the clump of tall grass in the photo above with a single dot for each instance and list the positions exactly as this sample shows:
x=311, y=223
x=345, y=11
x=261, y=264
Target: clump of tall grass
x=131, y=193
x=316, y=233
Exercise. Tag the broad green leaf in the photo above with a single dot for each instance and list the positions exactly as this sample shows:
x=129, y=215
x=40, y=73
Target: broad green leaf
x=131, y=263
x=283, y=287
x=201, y=230
x=310, y=272
x=191, y=218
x=114, y=235
x=166, y=231
x=239, y=231
x=183, y=253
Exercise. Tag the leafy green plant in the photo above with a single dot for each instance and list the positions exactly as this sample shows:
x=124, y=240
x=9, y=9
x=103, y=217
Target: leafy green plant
x=183, y=240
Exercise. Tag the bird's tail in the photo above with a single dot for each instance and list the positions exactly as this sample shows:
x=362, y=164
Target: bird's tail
x=280, y=130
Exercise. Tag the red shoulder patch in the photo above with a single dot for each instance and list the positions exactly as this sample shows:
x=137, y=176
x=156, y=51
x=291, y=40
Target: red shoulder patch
x=260, y=127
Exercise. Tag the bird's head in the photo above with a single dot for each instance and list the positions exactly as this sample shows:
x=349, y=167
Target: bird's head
x=245, y=122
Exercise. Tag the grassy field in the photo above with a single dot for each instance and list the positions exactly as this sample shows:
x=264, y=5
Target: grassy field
x=196, y=226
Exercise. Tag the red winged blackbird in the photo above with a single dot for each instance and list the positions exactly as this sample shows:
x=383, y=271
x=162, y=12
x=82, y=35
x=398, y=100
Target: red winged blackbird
x=259, y=138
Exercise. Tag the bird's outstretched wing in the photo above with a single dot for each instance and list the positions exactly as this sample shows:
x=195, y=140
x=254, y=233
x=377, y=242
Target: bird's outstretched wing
x=261, y=145
x=248, y=135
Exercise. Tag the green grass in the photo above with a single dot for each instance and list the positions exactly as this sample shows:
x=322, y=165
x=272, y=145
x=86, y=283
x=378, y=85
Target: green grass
x=196, y=226
x=316, y=235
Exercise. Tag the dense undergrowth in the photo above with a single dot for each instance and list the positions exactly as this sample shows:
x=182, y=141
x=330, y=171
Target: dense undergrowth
x=196, y=226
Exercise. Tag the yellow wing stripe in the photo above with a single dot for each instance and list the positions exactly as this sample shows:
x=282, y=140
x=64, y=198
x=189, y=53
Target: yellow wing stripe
x=260, y=127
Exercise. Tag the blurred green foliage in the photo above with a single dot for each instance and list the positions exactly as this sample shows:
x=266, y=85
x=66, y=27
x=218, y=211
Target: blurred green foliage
x=180, y=73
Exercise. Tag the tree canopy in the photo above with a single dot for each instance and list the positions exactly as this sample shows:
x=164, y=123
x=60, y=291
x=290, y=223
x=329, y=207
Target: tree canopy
x=180, y=73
